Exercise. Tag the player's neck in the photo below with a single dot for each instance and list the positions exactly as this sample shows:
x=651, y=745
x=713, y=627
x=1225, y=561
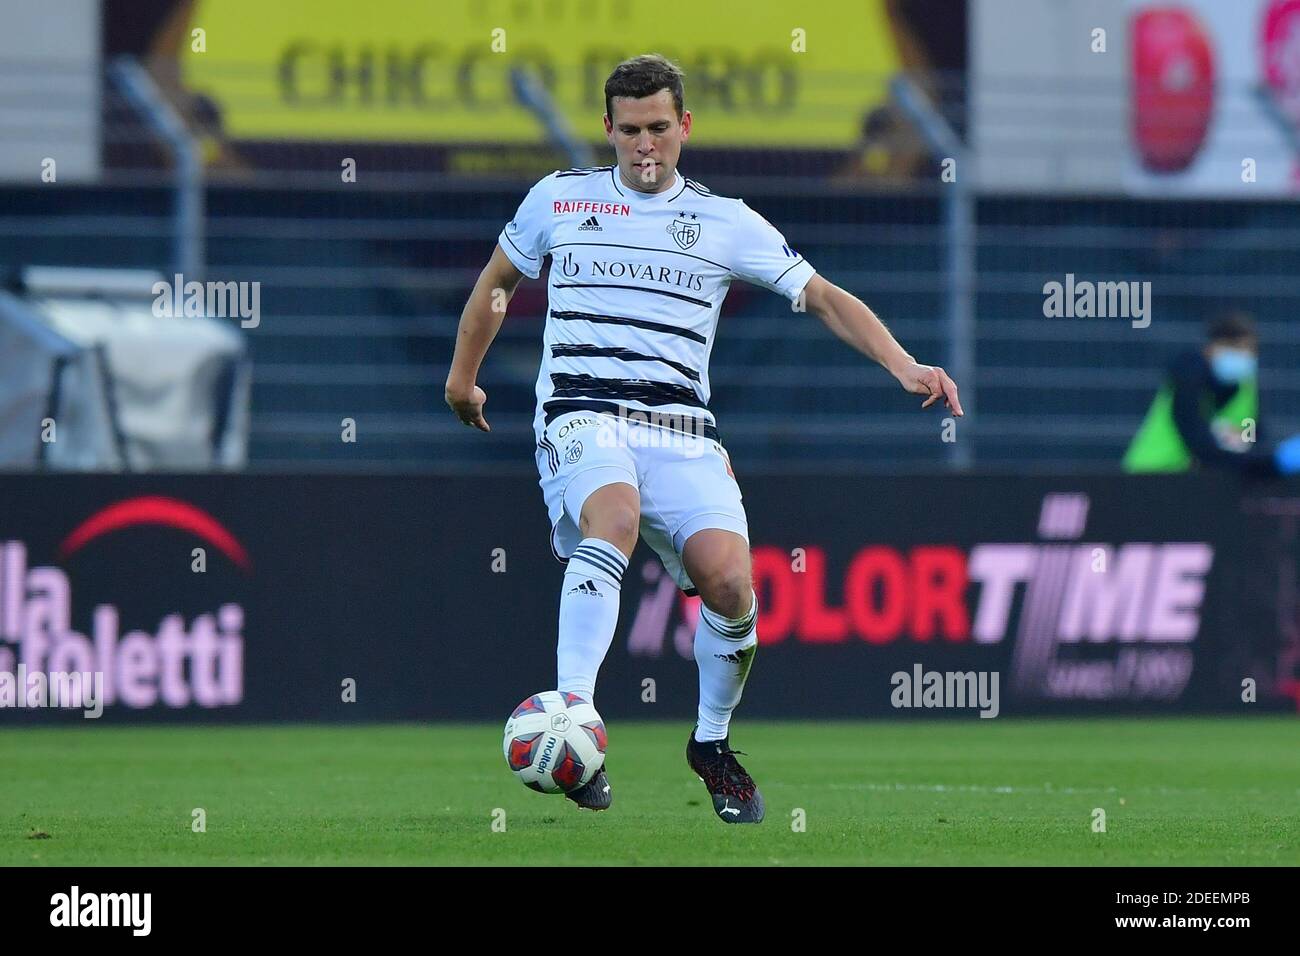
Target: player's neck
x=655, y=192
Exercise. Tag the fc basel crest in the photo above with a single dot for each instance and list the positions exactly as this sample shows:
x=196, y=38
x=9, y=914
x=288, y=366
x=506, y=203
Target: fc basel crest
x=685, y=229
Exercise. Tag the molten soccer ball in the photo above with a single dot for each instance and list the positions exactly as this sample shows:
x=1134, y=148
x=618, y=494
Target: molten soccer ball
x=555, y=742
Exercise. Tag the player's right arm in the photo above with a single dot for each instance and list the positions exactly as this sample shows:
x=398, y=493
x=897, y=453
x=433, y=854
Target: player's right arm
x=521, y=247
x=479, y=323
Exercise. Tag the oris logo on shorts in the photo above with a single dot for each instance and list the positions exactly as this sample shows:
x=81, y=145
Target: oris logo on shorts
x=574, y=425
x=574, y=453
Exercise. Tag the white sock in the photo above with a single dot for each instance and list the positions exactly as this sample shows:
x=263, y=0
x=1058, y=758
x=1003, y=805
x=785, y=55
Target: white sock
x=588, y=614
x=724, y=651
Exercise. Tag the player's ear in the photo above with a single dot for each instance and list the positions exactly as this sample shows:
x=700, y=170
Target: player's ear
x=686, y=125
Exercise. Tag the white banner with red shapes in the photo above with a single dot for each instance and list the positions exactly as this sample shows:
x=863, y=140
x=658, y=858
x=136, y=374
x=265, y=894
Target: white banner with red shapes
x=1214, y=98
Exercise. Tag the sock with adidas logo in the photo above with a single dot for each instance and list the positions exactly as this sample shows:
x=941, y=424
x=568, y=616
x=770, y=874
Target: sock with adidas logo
x=724, y=651
x=588, y=614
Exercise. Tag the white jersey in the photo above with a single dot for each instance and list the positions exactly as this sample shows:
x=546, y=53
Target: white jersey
x=636, y=284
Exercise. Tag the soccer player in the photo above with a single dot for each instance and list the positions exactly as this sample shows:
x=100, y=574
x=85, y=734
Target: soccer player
x=641, y=260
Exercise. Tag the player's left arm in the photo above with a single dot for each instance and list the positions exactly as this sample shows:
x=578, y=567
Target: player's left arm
x=849, y=318
x=760, y=254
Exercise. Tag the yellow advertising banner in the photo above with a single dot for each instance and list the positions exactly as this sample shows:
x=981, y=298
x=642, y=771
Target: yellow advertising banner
x=759, y=73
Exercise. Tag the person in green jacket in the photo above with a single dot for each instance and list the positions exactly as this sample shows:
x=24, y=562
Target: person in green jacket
x=1207, y=410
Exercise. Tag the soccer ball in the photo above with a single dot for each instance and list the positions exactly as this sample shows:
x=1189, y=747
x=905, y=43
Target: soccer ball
x=555, y=742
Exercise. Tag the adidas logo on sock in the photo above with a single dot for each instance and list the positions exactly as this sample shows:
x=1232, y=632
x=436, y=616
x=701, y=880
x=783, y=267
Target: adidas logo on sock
x=587, y=587
x=591, y=225
x=730, y=658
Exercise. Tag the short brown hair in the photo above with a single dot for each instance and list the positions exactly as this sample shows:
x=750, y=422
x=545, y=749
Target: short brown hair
x=644, y=75
x=1231, y=326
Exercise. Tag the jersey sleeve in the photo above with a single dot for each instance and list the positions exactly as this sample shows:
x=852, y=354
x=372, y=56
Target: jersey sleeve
x=761, y=255
x=526, y=239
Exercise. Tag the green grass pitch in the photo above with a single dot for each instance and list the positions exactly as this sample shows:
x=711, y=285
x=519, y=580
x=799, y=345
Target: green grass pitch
x=1005, y=791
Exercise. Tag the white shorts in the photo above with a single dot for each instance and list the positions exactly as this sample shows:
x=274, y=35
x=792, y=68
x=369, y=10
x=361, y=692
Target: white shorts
x=684, y=480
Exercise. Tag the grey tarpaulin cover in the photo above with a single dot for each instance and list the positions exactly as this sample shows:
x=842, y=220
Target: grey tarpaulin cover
x=123, y=388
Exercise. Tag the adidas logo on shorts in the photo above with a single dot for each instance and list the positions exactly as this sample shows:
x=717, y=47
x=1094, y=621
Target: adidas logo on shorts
x=587, y=587
x=591, y=225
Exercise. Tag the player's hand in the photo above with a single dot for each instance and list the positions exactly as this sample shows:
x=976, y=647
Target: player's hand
x=932, y=381
x=467, y=403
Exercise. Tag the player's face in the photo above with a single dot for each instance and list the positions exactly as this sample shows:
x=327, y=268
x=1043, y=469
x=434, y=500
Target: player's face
x=647, y=138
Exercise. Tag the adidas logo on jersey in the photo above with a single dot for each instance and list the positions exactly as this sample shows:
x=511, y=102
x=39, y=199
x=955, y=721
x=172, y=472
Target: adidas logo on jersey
x=587, y=587
x=591, y=225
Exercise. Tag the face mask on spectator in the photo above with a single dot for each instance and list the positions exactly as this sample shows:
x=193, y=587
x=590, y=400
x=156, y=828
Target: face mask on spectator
x=1232, y=366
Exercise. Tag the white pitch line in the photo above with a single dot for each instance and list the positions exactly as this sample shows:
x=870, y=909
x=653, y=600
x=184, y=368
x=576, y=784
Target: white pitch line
x=1045, y=789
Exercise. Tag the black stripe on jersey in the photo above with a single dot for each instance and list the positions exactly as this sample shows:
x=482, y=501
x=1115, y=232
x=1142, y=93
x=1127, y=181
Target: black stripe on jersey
x=633, y=288
x=636, y=323
x=685, y=181
x=690, y=426
x=782, y=275
x=645, y=391
x=697, y=189
x=619, y=245
x=582, y=171
x=618, y=352
x=518, y=250
x=613, y=178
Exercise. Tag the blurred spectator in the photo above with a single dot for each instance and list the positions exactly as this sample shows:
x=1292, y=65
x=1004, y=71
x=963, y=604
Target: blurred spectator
x=1207, y=410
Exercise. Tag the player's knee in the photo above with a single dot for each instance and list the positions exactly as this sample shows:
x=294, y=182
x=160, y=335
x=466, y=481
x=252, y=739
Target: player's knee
x=727, y=591
x=617, y=522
